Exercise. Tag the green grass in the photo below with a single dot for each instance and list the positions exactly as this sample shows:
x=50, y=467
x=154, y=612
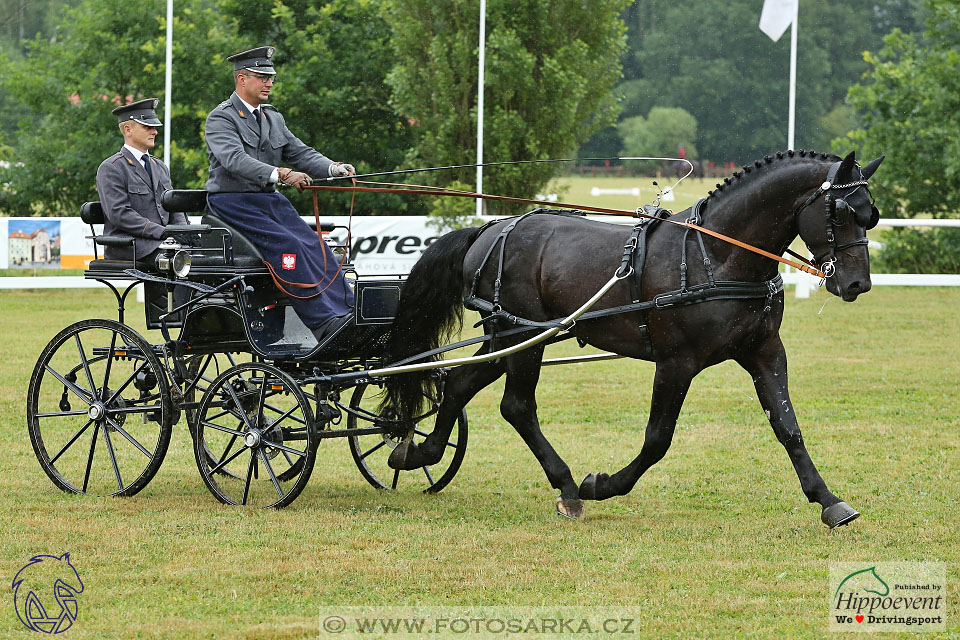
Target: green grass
x=715, y=541
x=576, y=190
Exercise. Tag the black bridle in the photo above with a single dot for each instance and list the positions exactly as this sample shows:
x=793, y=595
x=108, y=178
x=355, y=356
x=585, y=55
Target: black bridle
x=837, y=210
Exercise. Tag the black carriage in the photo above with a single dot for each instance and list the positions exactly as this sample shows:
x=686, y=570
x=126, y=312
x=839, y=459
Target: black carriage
x=255, y=389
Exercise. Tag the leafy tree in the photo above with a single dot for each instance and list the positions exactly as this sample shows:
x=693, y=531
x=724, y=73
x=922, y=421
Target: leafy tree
x=332, y=61
x=711, y=59
x=66, y=88
x=549, y=70
x=909, y=105
x=661, y=133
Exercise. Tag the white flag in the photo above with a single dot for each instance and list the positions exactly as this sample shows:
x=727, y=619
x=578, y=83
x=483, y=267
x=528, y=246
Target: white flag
x=777, y=16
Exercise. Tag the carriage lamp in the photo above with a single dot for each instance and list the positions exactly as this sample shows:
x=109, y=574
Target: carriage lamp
x=173, y=259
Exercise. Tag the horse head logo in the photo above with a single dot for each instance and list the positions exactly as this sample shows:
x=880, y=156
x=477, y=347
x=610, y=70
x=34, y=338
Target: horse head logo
x=865, y=580
x=39, y=577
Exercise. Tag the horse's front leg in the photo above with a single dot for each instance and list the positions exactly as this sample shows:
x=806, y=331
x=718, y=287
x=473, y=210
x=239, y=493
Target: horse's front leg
x=768, y=366
x=670, y=386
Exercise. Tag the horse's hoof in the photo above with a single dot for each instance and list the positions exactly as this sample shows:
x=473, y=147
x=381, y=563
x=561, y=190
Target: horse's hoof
x=837, y=515
x=401, y=458
x=571, y=509
x=588, y=488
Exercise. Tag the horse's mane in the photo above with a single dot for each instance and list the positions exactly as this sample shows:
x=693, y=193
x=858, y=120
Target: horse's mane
x=759, y=167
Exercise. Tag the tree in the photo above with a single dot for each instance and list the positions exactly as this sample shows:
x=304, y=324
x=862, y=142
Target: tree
x=711, y=59
x=549, y=71
x=65, y=89
x=909, y=107
x=661, y=133
x=332, y=60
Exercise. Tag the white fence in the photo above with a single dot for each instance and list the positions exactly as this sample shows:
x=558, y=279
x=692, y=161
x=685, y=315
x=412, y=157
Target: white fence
x=391, y=244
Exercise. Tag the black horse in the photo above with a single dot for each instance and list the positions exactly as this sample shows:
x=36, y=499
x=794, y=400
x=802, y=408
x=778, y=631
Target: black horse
x=552, y=264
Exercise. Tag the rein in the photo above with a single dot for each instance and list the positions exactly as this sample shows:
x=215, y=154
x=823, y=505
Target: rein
x=441, y=191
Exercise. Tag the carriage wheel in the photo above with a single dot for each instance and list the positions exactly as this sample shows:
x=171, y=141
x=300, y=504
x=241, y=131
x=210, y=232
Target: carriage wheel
x=99, y=411
x=202, y=369
x=370, y=452
x=254, y=426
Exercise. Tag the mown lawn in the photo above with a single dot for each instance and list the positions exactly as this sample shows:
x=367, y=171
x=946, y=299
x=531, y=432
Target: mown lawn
x=715, y=541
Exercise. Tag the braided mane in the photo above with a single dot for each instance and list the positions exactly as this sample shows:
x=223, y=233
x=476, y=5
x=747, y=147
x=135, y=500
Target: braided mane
x=760, y=165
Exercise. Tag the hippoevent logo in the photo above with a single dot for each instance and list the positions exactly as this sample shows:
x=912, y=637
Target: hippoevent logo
x=888, y=596
x=45, y=593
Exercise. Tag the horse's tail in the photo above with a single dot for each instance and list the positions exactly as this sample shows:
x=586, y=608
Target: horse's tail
x=430, y=312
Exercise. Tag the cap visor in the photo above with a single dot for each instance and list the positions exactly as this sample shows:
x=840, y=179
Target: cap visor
x=149, y=122
x=265, y=70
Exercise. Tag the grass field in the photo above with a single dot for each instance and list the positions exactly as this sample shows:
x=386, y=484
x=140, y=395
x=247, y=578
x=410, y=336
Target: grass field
x=715, y=541
x=576, y=190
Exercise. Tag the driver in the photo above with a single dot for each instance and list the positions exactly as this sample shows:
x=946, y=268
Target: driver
x=250, y=148
x=130, y=183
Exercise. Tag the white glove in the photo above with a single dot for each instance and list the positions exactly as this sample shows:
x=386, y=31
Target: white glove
x=342, y=170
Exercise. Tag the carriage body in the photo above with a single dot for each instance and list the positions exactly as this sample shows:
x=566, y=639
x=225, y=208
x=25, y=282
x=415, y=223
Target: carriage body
x=254, y=387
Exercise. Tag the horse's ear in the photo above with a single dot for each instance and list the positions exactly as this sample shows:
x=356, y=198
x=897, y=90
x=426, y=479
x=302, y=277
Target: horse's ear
x=871, y=168
x=845, y=172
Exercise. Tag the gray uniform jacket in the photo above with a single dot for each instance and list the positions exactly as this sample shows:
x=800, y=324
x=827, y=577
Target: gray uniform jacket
x=243, y=154
x=131, y=203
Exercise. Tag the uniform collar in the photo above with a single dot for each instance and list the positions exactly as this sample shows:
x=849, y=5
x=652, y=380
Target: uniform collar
x=136, y=153
x=250, y=108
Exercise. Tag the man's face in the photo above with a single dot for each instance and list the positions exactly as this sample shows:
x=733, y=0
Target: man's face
x=254, y=88
x=140, y=136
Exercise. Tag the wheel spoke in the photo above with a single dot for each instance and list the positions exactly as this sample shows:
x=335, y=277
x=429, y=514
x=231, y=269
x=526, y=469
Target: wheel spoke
x=373, y=448
x=113, y=344
x=93, y=446
x=426, y=472
x=282, y=447
x=233, y=440
x=126, y=383
x=273, y=477
x=233, y=394
x=232, y=432
x=86, y=365
x=129, y=437
x=285, y=414
x=57, y=414
x=81, y=393
x=113, y=457
x=396, y=478
x=137, y=409
x=246, y=484
x=223, y=463
x=72, y=440
x=261, y=399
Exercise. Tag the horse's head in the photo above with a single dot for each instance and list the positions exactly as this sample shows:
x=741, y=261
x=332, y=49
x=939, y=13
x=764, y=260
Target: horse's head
x=833, y=222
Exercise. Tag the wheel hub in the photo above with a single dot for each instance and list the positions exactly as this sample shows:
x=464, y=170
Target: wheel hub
x=252, y=438
x=97, y=411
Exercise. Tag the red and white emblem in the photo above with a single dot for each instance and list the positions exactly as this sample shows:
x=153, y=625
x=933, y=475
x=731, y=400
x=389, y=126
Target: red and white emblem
x=289, y=261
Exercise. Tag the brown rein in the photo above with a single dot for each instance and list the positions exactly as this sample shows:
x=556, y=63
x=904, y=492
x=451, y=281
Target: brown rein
x=392, y=187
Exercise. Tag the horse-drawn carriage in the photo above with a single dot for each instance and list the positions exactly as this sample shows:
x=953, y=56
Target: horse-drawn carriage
x=256, y=390
x=686, y=290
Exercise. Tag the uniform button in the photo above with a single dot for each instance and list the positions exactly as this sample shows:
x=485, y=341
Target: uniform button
x=263, y=147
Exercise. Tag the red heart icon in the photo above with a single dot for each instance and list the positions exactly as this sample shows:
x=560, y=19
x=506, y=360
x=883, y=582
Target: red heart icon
x=859, y=618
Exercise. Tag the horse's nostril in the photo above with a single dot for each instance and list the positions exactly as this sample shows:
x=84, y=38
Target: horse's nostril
x=854, y=287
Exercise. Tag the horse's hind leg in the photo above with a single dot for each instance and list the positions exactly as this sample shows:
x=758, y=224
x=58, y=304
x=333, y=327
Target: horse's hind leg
x=768, y=366
x=461, y=385
x=670, y=386
x=519, y=408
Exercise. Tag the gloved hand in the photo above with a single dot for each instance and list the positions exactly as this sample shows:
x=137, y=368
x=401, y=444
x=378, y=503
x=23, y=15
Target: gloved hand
x=342, y=170
x=295, y=178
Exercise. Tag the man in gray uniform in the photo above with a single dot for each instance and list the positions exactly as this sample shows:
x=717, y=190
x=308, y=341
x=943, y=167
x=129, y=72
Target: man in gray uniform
x=130, y=183
x=250, y=150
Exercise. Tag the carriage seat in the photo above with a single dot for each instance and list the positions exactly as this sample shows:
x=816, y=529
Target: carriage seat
x=92, y=213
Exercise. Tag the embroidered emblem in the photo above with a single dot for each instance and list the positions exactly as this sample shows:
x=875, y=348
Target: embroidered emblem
x=289, y=261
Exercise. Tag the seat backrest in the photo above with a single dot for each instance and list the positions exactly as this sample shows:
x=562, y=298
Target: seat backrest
x=91, y=213
x=241, y=246
x=184, y=200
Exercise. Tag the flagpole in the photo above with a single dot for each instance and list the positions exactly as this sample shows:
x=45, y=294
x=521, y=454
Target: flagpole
x=483, y=42
x=791, y=118
x=168, y=85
